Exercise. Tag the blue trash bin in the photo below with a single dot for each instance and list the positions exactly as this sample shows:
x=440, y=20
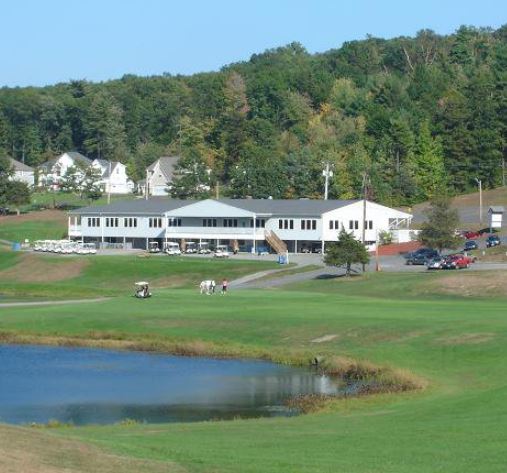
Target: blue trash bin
x=16, y=246
x=282, y=259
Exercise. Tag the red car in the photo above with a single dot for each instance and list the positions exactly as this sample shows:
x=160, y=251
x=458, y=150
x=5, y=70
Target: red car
x=472, y=235
x=457, y=262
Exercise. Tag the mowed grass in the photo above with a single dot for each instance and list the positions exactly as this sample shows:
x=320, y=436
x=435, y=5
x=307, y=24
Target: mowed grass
x=43, y=225
x=458, y=423
x=56, y=276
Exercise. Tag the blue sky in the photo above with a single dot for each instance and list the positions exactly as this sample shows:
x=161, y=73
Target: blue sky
x=49, y=41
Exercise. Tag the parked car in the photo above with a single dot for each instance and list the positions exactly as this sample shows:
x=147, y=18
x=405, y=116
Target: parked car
x=262, y=250
x=471, y=245
x=457, y=261
x=420, y=256
x=435, y=263
x=492, y=240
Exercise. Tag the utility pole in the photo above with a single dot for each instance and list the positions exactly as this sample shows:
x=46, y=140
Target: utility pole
x=146, y=189
x=363, y=236
x=327, y=173
x=479, y=183
x=109, y=185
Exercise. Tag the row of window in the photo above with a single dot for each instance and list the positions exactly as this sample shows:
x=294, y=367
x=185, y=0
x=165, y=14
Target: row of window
x=283, y=224
x=354, y=224
x=288, y=224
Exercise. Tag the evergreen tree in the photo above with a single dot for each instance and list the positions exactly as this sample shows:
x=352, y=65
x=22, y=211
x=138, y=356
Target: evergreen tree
x=439, y=230
x=346, y=252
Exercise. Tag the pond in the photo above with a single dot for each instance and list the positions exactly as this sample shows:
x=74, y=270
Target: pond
x=90, y=386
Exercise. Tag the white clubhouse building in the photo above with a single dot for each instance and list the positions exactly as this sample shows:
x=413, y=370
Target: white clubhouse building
x=247, y=224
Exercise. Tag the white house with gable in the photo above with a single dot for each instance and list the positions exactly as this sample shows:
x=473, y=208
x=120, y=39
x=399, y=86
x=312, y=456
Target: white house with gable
x=245, y=224
x=113, y=177
x=51, y=172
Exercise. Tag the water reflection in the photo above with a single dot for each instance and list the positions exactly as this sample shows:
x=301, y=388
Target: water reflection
x=83, y=386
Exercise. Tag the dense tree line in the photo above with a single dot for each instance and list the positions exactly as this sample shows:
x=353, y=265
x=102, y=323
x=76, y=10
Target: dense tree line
x=418, y=115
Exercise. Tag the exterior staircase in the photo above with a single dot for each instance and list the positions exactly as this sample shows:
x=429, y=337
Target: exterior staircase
x=275, y=242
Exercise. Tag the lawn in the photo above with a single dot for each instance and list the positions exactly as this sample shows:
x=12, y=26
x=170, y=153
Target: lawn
x=41, y=225
x=458, y=345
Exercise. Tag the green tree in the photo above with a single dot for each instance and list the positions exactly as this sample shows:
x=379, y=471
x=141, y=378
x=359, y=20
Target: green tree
x=430, y=170
x=439, y=229
x=104, y=129
x=346, y=252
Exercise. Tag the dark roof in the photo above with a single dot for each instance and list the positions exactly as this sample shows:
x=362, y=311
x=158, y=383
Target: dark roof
x=78, y=157
x=302, y=207
x=106, y=174
x=497, y=209
x=18, y=166
x=167, y=165
x=159, y=205
x=154, y=206
x=73, y=154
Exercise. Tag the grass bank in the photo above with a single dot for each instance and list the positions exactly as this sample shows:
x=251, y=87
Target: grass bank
x=457, y=344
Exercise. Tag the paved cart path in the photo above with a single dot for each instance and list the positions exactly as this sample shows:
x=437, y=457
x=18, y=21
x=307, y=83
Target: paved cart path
x=60, y=302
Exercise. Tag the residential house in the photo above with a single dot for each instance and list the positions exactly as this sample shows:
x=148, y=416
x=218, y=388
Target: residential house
x=113, y=177
x=22, y=172
x=51, y=172
x=285, y=225
x=159, y=176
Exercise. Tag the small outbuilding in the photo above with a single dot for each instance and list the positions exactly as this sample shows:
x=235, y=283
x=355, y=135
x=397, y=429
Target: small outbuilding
x=495, y=216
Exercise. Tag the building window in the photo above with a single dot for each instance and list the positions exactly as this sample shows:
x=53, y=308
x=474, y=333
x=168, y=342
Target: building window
x=93, y=221
x=353, y=224
x=259, y=223
x=209, y=222
x=230, y=222
x=286, y=224
x=308, y=224
x=334, y=225
x=112, y=221
x=130, y=222
x=368, y=224
x=174, y=222
x=155, y=222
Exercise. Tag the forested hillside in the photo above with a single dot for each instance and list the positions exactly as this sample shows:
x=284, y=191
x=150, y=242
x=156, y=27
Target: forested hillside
x=417, y=114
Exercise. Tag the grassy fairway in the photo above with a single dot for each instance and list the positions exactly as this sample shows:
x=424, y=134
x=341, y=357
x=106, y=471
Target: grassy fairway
x=44, y=225
x=56, y=277
x=459, y=423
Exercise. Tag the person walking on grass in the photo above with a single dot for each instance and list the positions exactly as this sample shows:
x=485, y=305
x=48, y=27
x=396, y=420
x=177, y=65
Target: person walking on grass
x=225, y=283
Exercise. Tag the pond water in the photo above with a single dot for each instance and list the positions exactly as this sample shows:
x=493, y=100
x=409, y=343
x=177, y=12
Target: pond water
x=89, y=386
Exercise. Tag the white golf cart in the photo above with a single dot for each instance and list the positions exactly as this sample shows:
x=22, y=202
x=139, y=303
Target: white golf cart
x=37, y=245
x=153, y=247
x=142, y=290
x=86, y=249
x=68, y=247
x=172, y=248
x=222, y=251
x=203, y=248
x=191, y=247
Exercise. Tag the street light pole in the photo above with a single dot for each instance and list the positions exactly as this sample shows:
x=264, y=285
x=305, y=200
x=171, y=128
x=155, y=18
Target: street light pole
x=327, y=173
x=479, y=183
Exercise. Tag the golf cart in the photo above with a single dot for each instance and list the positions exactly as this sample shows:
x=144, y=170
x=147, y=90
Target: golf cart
x=191, y=247
x=153, y=247
x=222, y=251
x=142, y=290
x=203, y=248
x=172, y=248
x=86, y=249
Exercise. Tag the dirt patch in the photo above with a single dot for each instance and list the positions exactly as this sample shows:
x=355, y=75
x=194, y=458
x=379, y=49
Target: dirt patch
x=36, y=268
x=42, y=216
x=472, y=284
x=325, y=338
x=27, y=450
x=467, y=339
